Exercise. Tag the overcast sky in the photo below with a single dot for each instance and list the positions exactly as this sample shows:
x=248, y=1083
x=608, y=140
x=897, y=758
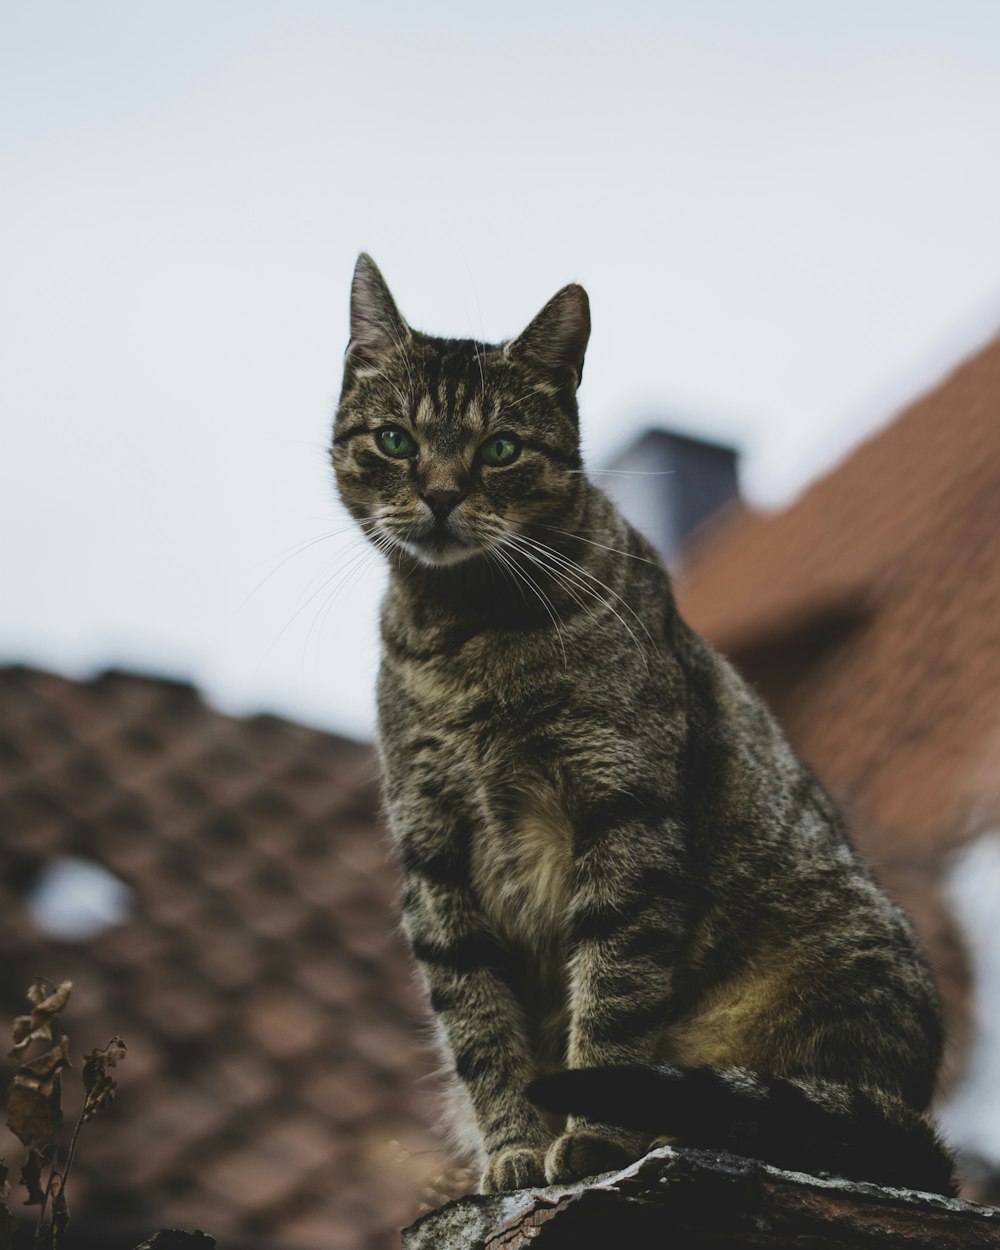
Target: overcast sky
x=785, y=214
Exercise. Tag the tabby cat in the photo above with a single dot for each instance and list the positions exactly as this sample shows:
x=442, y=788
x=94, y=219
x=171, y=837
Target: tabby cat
x=631, y=904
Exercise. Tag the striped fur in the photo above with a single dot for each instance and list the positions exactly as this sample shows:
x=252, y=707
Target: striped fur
x=611, y=856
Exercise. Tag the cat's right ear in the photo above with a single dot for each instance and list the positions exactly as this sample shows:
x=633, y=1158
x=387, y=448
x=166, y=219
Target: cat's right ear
x=557, y=338
x=376, y=324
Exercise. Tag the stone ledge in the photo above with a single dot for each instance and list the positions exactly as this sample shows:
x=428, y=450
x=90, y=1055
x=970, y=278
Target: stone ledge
x=694, y=1199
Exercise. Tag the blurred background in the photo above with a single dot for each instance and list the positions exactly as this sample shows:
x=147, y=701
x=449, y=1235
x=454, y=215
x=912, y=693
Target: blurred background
x=785, y=216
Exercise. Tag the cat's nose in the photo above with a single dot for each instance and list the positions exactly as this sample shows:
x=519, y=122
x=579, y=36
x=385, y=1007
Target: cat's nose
x=441, y=500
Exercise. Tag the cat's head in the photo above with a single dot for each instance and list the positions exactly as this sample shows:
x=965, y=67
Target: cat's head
x=449, y=449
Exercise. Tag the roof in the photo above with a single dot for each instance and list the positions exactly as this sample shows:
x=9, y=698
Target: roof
x=868, y=614
x=276, y=1086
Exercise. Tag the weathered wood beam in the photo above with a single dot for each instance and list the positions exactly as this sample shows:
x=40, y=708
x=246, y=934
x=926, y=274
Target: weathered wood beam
x=695, y=1199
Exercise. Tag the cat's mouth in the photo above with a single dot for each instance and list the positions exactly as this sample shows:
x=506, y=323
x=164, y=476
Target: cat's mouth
x=439, y=545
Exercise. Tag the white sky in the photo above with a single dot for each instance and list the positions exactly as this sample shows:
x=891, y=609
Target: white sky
x=972, y=1115
x=785, y=214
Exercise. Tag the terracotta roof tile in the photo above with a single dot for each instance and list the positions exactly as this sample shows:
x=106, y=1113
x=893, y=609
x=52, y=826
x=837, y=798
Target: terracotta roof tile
x=275, y=1050
x=331, y=981
x=325, y=1230
x=253, y=1178
x=245, y=1078
x=284, y=1022
x=346, y=1091
x=868, y=613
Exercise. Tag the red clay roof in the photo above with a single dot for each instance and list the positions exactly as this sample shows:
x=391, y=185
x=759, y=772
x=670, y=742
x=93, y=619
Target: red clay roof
x=868, y=613
x=276, y=1083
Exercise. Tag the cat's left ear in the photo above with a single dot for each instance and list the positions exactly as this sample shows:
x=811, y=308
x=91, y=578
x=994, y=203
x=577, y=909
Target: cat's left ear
x=557, y=338
x=376, y=324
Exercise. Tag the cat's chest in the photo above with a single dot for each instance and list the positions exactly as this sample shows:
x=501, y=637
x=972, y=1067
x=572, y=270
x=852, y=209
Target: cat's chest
x=522, y=861
x=460, y=727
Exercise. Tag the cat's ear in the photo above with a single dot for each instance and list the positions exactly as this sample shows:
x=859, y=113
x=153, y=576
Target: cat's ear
x=557, y=338
x=376, y=324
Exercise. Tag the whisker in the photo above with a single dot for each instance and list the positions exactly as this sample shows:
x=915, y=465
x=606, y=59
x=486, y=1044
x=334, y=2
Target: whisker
x=350, y=576
x=404, y=401
x=562, y=581
x=335, y=583
x=481, y=343
x=401, y=348
x=482, y=376
x=530, y=556
x=582, y=569
x=577, y=571
x=604, y=547
x=626, y=472
x=289, y=552
x=535, y=390
x=503, y=568
x=542, y=597
x=302, y=606
x=296, y=550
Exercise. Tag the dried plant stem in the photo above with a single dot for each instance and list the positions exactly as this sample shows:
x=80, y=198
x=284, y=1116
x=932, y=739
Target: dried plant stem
x=40, y=1226
x=72, y=1144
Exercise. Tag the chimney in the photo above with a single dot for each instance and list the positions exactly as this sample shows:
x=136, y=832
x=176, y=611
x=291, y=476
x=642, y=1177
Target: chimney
x=668, y=484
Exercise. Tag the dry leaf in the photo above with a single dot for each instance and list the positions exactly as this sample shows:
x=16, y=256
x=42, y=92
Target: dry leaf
x=34, y=1110
x=45, y=1007
x=99, y=1086
x=35, y=1161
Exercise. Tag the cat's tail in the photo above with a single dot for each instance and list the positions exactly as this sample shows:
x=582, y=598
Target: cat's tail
x=800, y=1125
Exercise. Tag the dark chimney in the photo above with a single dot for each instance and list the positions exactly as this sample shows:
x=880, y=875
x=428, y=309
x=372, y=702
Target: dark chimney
x=668, y=484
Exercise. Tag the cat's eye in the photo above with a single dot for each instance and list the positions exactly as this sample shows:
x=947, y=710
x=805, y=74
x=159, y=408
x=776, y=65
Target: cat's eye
x=500, y=450
x=395, y=442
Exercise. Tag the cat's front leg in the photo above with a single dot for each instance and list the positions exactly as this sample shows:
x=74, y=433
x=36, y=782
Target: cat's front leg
x=472, y=978
x=627, y=917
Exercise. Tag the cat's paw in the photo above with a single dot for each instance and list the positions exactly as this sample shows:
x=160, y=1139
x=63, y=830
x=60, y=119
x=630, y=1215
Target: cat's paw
x=519, y=1167
x=584, y=1153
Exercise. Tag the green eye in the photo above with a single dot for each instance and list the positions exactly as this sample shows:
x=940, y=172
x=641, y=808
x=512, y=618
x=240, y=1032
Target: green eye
x=395, y=442
x=500, y=450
